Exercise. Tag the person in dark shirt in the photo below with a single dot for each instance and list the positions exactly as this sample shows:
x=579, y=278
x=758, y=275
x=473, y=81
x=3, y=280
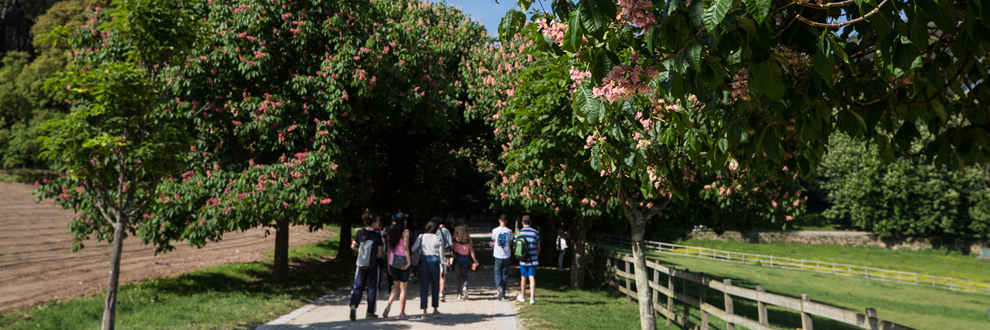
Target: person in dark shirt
x=367, y=276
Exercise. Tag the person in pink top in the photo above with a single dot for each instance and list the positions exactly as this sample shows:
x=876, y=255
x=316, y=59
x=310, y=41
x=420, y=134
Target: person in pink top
x=463, y=248
x=398, y=263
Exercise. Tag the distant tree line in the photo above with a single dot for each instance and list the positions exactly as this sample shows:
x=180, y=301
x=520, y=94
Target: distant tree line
x=27, y=61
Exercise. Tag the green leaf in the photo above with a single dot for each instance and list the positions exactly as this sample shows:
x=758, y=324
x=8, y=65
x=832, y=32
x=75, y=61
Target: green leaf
x=748, y=25
x=715, y=14
x=511, y=24
x=939, y=110
x=586, y=104
x=771, y=142
x=572, y=38
x=759, y=9
x=767, y=78
x=594, y=17
x=906, y=134
x=524, y=4
x=562, y=8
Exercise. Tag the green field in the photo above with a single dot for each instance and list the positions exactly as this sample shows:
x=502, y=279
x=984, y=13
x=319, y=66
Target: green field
x=231, y=296
x=919, y=307
x=931, y=262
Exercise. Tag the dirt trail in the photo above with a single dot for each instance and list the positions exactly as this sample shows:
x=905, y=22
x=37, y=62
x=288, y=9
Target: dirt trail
x=37, y=265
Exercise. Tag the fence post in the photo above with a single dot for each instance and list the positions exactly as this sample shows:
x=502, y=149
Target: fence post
x=871, y=318
x=670, y=295
x=687, y=307
x=702, y=285
x=628, y=285
x=656, y=279
x=729, y=309
x=608, y=268
x=805, y=317
x=761, y=306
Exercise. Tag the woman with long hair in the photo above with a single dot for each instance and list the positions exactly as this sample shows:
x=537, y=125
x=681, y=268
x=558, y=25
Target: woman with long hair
x=463, y=248
x=432, y=250
x=399, y=263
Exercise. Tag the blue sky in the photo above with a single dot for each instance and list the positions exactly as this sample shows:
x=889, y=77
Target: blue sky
x=487, y=11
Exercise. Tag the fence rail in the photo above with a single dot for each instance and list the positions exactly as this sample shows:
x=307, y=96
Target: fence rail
x=804, y=305
x=806, y=265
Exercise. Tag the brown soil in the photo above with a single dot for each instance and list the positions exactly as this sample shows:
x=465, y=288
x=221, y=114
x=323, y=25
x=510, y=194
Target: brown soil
x=37, y=264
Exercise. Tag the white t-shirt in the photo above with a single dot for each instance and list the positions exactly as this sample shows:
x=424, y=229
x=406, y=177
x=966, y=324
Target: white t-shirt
x=503, y=242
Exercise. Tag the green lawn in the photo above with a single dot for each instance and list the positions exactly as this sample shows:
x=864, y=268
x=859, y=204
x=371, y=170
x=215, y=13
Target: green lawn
x=560, y=307
x=231, y=296
x=914, y=306
x=931, y=262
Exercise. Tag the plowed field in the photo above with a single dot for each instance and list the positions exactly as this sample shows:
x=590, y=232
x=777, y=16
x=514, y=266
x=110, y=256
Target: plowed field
x=37, y=264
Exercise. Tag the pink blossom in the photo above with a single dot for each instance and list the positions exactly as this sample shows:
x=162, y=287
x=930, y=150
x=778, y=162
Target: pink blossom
x=325, y=201
x=555, y=30
x=624, y=81
x=636, y=13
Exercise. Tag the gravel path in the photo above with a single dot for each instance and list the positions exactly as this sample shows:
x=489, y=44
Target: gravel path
x=481, y=311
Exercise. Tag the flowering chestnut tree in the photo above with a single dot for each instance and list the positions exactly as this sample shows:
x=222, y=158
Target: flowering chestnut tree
x=763, y=84
x=116, y=145
x=296, y=105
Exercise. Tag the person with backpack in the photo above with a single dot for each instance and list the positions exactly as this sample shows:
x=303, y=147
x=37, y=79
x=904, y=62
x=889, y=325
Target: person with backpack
x=444, y=233
x=527, y=251
x=431, y=250
x=501, y=250
x=399, y=261
x=463, y=255
x=368, y=244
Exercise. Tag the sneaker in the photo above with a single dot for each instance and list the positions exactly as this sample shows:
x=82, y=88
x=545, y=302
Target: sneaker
x=403, y=316
x=353, y=313
x=532, y=301
x=465, y=293
x=385, y=312
x=441, y=299
x=371, y=316
x=460, y=297
x=520, y=298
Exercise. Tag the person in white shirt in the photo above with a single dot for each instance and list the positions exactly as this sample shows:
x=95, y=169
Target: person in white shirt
x=501, y=243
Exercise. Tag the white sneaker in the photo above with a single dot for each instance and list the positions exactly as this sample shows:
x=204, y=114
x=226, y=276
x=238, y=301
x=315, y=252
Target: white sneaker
x=465, y=293
x=520, y=298
x=532, y=301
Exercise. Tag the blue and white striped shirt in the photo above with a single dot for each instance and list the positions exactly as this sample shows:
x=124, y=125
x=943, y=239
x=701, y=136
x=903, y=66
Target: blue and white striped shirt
x=533, y=238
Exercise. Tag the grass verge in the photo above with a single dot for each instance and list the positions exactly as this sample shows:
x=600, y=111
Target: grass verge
x=560, y=307
x=914, y=306
x=931, y=262
x=230, y=296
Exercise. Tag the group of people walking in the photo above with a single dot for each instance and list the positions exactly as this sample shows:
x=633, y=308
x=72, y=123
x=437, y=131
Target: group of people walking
x=398, y=251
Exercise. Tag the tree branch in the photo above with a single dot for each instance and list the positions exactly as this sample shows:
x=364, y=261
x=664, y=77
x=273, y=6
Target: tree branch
x=825, y=6
x=838, y=25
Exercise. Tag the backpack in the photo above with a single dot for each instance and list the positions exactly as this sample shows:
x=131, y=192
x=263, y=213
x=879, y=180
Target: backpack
x=521, y=251
x=364, y=257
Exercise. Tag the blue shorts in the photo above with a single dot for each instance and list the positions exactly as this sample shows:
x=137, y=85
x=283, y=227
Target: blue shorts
x=527, y=271
x=401, y=275
x=463, y=260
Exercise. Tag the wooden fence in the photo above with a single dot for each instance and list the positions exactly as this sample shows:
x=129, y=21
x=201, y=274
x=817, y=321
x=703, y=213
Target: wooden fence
x=619, y=269
x=806, y=265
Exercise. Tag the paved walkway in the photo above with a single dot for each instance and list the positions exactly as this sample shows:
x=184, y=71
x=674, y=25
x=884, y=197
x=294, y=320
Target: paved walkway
x=481, y=311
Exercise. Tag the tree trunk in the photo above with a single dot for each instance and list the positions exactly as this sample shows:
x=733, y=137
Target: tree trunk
x=638, y=215
x=647, y=318
x=110, y=304
x=280, y=272
x=579, y=267
x=344, y=248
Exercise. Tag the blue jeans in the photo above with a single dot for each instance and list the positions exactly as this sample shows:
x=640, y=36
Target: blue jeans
x=501, y=274
x=429, y=276
x=366, y=277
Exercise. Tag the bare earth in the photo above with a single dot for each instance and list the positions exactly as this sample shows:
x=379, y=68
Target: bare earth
x=37, y=264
